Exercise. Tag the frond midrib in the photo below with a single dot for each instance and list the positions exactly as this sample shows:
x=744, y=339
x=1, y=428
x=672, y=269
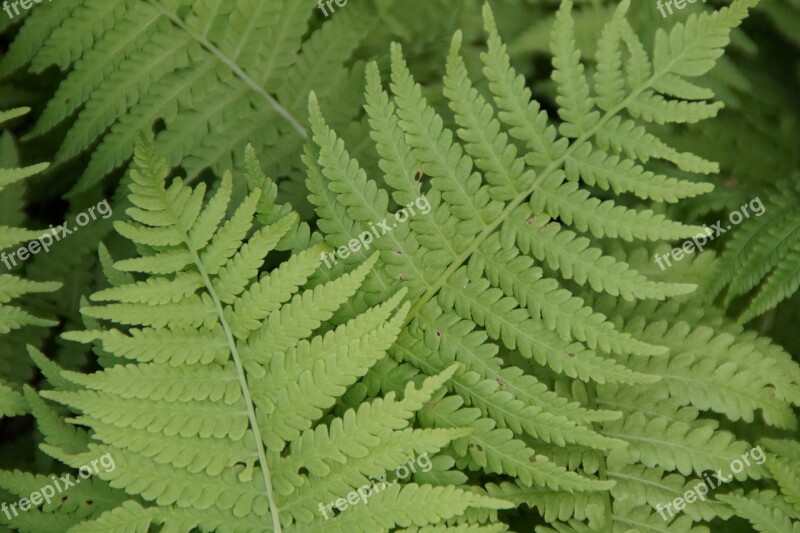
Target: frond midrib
x=245, y=388
x=234, y=67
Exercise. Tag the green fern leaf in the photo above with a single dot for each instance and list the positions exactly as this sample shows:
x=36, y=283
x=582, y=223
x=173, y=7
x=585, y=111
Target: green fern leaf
x=13, y=287
x=514, y=276
x=224, y=409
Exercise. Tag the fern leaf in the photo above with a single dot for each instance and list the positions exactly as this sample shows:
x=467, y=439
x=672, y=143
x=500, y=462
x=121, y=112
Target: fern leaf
x=500, y=287
x=141, y=62
x=192, y=422
x=12, y=288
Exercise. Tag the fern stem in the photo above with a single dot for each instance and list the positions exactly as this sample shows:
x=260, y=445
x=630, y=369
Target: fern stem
x=248, y=400
x=552, y=167
x=231, y=64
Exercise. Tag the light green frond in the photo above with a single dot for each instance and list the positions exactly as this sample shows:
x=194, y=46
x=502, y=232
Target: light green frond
x=354, y=435
x=271, y=291
x=559, y=309
x=576, y=259
x=608, y=80
x=176, y=346
x=249, y=371
x=504, y=319
x=783, y=468
x=623, y=175
x=576, y=105
x=397, y=161
x=644, y=486
x=291, y=377
x=524, y=405
x=518, y=111
x=578, y=209
x=480, y=130
x=496, y=450
x=626, y=136
x=243, y=267
x=461, y=528
x=128, y=516
x=406, y=505
x=655, y=108
x=450, y=169
x=509, y=272
x=675, y=445
x=228, y=370
x=553, y=505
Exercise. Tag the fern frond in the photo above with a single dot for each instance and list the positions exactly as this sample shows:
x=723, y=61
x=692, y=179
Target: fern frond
x=763, y=518
x=142, y=62
x=512, y=274
x=12, y=288
x=767, y=510
x=221, y=405
x=763, y=254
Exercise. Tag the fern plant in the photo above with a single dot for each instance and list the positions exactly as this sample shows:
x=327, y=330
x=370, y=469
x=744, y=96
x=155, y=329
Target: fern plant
x=579, y=405
x=763, y=254
x=767, y=510
x=203, y=77
x=14, y=371
x=519, y=333
x=217, y=384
